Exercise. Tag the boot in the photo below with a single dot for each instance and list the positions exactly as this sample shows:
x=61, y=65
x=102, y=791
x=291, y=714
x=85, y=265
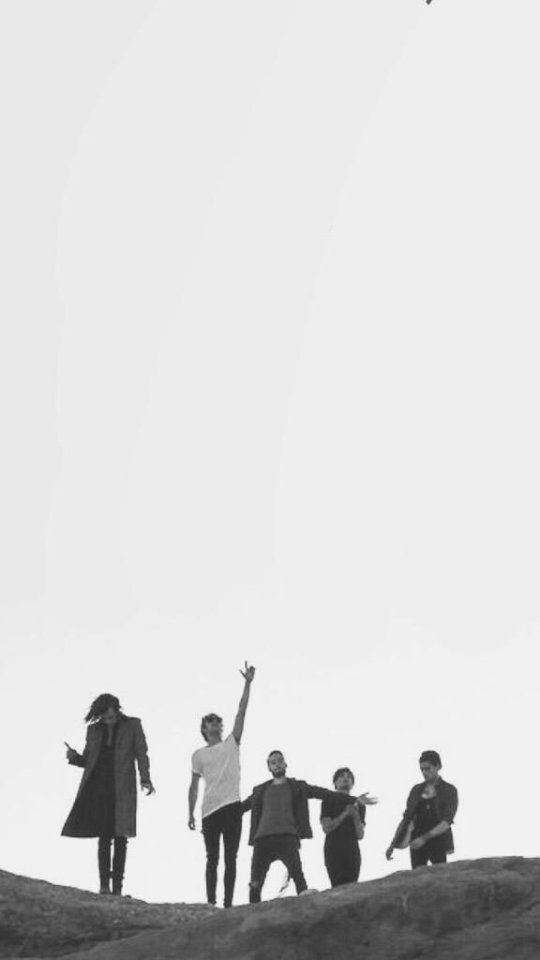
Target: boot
x=104, y=864
x=119, y=864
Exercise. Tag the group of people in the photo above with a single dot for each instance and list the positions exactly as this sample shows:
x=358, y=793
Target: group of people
x=105, y=805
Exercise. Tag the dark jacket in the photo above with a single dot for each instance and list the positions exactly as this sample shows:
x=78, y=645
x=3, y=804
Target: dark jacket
x=446, y=804
x=301, y=792
x=130, y=748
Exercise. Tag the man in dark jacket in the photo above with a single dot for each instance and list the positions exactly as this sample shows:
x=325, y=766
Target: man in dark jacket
x=280, y=820
x=426, y=825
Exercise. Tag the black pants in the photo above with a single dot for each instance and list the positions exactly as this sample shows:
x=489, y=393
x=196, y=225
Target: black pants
x=118, y=862
x=284, y=847
x=434, y=851
x=342, y=862
x=227, y=823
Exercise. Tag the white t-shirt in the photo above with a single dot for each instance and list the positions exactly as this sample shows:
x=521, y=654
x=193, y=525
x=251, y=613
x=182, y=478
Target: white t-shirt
x=219, y=766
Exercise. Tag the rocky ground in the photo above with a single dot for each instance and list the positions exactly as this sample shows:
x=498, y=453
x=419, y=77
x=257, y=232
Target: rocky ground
x=470, y=910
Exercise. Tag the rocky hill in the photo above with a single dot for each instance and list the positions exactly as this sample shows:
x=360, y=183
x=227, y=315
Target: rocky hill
x=470, y=910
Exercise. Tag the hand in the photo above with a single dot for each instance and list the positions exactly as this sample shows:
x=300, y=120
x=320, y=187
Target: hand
x=366, y=800
x=417, y=843
x=147, y=786
x=389, y=853
x=191, y=823
x=249, y=672
x=71, y=754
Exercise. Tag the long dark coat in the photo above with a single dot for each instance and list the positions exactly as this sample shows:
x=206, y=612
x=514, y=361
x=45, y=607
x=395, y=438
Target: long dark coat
x=130, y=748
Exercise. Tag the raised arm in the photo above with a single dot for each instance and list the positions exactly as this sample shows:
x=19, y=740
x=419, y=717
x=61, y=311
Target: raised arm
x=193, y=793
x=238, y=729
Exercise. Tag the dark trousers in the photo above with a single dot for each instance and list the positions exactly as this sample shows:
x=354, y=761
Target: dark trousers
x=434, y=851
x=118, y=862
x=284, y=847
x=342, y=863
x=227, y=823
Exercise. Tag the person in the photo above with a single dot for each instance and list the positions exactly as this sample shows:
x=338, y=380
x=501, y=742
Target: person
x=106, y=801
x=280, y=820
x=218, y=763
x=343, y=823
x=426, y=825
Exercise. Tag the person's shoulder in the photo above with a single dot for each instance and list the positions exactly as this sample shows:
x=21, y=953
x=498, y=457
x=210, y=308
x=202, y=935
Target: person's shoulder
x=446, y=786
x=261, y=786
x=131, y=721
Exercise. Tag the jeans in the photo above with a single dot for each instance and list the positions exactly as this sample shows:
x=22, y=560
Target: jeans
x=342, y=862
x=266, y=850
x=434, y=851
x=227, y=823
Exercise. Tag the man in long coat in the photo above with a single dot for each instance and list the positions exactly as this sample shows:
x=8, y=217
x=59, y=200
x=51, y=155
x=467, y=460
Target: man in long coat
x=106, y=801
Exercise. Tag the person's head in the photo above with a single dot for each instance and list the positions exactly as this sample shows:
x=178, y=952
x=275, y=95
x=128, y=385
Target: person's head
x=106, y=707
x=343, y=780
x=430, y=765
x=277, y=764
x=212, y=728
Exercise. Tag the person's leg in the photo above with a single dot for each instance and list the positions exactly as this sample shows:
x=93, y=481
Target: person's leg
x=436, y=850
x=211, y=828
x=289, y=854
x=104, y=864
x=419, y=858
x=263, y=856
x=119, y=864
x=232, y=831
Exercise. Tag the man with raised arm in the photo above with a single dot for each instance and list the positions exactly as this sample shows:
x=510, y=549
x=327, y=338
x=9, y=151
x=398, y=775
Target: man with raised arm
x=218, y=763
x=280, y=820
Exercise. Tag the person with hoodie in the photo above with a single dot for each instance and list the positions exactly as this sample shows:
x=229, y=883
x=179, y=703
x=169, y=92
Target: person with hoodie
x=426, y=825
x=280, y=820
x=106, y=801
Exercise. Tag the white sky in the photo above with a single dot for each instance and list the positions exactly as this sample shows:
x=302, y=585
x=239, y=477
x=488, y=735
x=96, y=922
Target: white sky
x=270, y=390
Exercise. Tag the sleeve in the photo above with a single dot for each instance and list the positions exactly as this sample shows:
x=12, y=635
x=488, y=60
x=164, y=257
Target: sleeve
x=313, y=792
x=362, y=813
x=141, y=752
x=196, y=764
x=326, y=808
x=449, y=805
x=247, y=804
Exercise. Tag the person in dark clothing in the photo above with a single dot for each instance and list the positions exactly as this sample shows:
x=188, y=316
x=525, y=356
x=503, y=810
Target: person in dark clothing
x=426, y=825
x=279, y=821
x=106, y=802
x=343, y=823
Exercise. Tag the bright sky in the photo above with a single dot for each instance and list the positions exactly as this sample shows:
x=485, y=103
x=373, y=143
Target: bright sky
x=270, y=392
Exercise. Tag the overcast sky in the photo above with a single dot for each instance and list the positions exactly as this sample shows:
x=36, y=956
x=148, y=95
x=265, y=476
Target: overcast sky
x=270, y=391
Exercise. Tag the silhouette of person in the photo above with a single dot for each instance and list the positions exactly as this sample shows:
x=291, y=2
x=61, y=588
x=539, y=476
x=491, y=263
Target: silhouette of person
x=218, y=764
x=106, y=801
x=426, y=825
x=343, y=823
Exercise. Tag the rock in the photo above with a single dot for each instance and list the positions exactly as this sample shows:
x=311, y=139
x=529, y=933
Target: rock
x=469, y=910
x=39, y=919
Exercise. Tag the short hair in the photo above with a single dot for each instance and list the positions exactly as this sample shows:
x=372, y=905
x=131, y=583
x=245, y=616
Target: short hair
x=431, y=756
x=100, y=705
x=205, y=719
x=340, y=771
x=273, y=753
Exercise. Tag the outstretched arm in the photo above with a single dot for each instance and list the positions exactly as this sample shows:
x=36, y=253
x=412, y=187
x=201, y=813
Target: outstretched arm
x=238, y=729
